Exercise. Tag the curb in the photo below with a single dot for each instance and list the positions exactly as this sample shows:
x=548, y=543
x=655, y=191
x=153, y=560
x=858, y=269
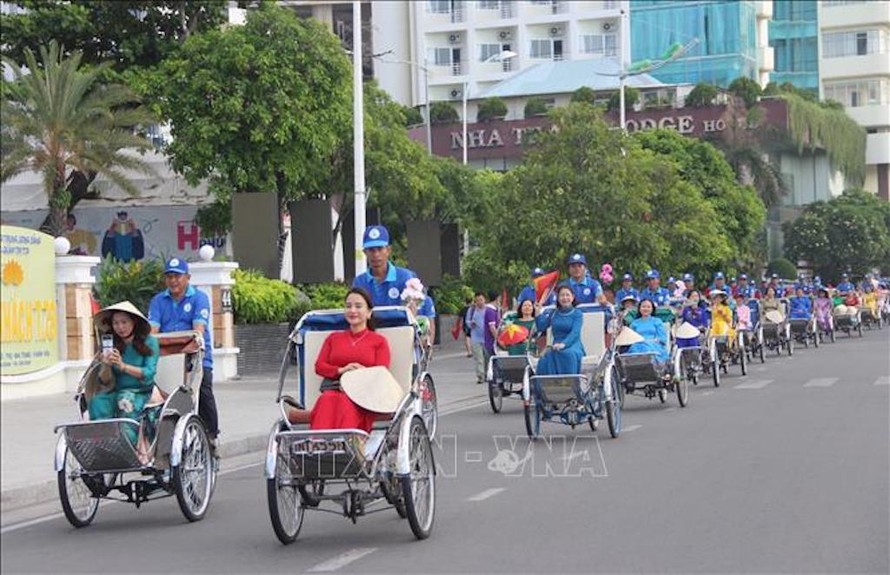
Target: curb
x=47, y=491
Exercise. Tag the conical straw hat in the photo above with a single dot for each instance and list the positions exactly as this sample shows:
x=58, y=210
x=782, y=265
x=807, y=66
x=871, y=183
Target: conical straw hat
x=373, y=388
x=687, y=330
x=775, y=316
x=628, y=337
x=103, y=316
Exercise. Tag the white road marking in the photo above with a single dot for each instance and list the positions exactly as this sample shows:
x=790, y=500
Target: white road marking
x=462, y=408
x=885, y=380
x=707, y=393
x=342, y=560
x=754, y=384
x=821, y=382
x=630, y=428
x=486, y=494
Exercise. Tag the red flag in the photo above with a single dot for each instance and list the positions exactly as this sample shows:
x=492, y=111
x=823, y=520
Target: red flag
x=544, y=285
x=94, y=305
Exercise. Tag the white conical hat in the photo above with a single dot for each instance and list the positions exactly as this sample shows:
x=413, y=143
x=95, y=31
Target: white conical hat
x=687, y=330
x=628, y=337
x=775, y=316
x=103, y=316
x=373, y=388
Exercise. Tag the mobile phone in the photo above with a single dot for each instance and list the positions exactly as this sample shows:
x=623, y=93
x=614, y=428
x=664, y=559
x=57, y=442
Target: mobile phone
x=107, y=343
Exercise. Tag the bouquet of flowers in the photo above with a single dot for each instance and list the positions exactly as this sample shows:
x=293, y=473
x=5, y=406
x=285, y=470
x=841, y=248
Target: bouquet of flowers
x=413, y=297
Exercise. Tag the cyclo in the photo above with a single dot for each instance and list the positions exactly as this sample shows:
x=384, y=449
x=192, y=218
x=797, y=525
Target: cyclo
x=393, y=464
x=574, y=399
x=753, y=338
x=95, y=459
x=641, y=373
x=506, y=373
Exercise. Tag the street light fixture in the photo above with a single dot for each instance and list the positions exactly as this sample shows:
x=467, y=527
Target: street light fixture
x=500, y=57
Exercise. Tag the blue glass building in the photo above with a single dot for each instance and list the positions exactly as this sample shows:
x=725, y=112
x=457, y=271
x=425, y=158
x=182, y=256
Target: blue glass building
x=726, y=31
x=793, y=34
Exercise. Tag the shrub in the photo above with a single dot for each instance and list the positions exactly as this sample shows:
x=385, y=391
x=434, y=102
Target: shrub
x=702, y=95
x=631, y=97
x=258, y=299
x=452, y=295
x=535, y=107
x=783, y=268
x=585, y=95
x=443, y=113
x=413, y=117
x=491, y=108
x=327, y=295
x=136, y=281
x=746, y=89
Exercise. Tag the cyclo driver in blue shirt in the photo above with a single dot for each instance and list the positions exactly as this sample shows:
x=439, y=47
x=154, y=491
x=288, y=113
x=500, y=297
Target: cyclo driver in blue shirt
x=587, y=289
x=653, y=290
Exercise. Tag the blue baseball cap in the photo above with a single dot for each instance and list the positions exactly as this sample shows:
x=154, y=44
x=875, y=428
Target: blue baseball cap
x=653, y=275
x=719, y=276
x=537, y=272
x=774, y=276
x=375, y=237
x=176, y=266
x=627, y=277
x=672, y=279
x=743, y=277
x=688, y=277
x=845, y=275
x=577, y=259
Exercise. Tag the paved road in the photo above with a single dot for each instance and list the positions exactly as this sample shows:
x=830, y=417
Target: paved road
x=785, y=470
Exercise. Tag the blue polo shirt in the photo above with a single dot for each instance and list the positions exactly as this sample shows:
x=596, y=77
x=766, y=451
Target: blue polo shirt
x=192, y=310
x=659, y=297
x=623, y=293
x=528, y=292
x=389, y=291
x=845, y=287
x=586, y=290
x=427, y=308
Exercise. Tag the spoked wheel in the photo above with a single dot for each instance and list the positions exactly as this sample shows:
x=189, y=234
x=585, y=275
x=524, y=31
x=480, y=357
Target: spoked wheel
x=285, y=506
x=817, y=337
x=662, y=395
x=859, y=329
x=532, y=420
x=761, y=352
x=832, y=336
x=743, y=362
x=495, y=396
x=430, y=405
x=419, y=486
x=392, y=492
x=613, y=408
x=715, y=372
x=790, y=344
x=78, y=502
x=682, y=386
x=193, y=477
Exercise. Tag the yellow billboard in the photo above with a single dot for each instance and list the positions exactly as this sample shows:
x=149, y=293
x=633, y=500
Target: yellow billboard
x=28, y=319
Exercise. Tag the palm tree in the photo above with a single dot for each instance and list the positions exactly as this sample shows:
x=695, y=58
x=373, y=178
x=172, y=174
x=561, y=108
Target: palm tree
x=61, y=121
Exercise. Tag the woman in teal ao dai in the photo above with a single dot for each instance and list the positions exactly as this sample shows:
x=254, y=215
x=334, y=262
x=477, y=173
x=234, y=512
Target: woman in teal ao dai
x=566, y=352
x=653, y=332
x=130, y=365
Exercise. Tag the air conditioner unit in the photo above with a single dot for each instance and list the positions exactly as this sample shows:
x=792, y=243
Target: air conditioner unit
x=454, y=38
x=456, y=94
x=505, y=35
x=556, y=31
x=607, y=26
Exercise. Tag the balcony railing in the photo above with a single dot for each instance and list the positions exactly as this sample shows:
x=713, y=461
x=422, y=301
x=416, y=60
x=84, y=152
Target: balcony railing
x=508, y=9
x=507, y=65
x=456, y=68
x=457, y=13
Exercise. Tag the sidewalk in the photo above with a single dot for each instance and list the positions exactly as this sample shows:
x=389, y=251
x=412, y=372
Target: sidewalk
x=247, y=411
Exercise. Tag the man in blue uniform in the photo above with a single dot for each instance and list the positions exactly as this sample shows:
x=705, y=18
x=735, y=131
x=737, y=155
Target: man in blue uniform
x=845, y=286
x=689, y=282
x=383, y=280
x=627, y=289
x=528, y=292
x=745, y=289
x=587, y=289
x=653, y=290
x=182, y=307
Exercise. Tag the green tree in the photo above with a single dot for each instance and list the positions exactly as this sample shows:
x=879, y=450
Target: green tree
x=535, y=107
x=584, y=94
x=491, y=109
x=261, y=106
x=739, y=211
x=631, y=98
x=443, y=113
x=746, y=89
x=848, y=233
x=60, y=121
x=413, y=117
x=589, y=188
x=128, y=33
x=702, y=95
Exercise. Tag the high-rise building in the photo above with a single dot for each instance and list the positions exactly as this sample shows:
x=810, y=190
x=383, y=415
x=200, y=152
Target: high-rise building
x=794, y=37
x=447, y=46
x=732, y=39
x=855, y=71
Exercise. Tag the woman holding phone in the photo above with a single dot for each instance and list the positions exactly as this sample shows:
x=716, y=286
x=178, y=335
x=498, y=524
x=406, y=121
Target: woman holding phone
x=129, y=359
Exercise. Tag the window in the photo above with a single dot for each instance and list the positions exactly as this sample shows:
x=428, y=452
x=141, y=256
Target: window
x=542, y=49
x=488, y=4
x=861, y=43
x=487, y=51
x=602, y=44
x=439, y=6
x=859, y=93
x=440, y=56
x=610, y=4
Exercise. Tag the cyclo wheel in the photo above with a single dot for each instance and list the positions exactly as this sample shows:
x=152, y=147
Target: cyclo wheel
x=715, y=372
x=430, y=404
x=78, y=502
x=532, y=420
x=285, y=505
x=495, y=396
x=743, y=362
x=682, y=386
x=193, y=476
x=419, y=485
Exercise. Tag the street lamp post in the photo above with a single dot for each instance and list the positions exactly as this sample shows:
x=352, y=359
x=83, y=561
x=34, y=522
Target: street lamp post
x=358, y=134
x=500, y=57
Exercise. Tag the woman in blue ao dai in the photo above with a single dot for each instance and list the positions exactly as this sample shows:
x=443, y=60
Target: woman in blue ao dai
x=566, y=352
x=653, y=332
